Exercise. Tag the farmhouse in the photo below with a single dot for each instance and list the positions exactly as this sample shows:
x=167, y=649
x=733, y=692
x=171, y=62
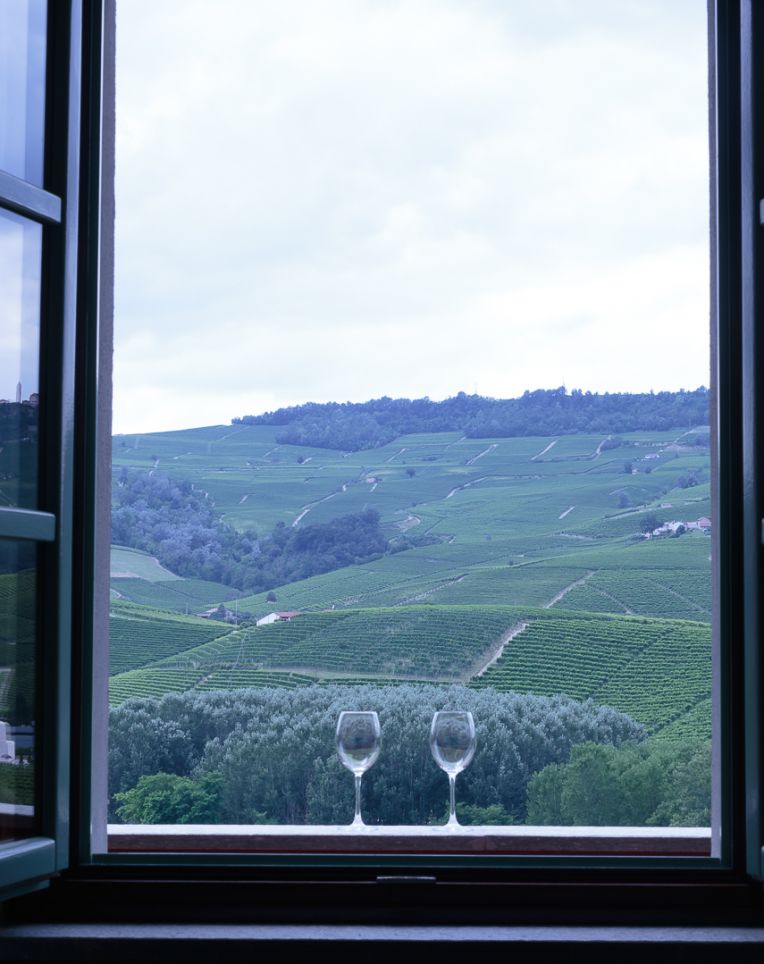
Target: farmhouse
x=277, y=618
x=219, y=612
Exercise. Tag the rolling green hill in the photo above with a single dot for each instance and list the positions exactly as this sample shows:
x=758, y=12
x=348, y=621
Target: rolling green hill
x=535, y=538
x=657, y=670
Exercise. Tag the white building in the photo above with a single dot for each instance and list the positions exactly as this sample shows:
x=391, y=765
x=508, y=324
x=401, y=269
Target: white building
x=7, y=746
x=276, y=618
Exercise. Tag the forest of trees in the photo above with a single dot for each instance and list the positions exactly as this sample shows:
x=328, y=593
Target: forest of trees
x=179, y=525
x=268, y=756
x=355, y=426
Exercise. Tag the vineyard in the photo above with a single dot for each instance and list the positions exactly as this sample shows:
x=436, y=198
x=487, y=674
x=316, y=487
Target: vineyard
x=657, y=670
x=432, y=642
x=150, y=682
x=17, y=646
x=139, y=636
x=654, y=669
x=17, y=783
x=177, y=595
x=493, y=530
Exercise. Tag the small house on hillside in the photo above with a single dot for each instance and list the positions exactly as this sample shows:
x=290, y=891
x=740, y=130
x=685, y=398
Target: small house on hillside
x=277, y=618
x=220, y=612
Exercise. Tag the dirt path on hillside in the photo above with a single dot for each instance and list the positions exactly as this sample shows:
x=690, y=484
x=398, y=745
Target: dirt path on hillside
x=566, y=512
x=598, y=450
x=311, y=505
x=488, y=659
x=564, y=592
x=466, y=485
x=480, y=455
x=430, y=592
x=395, y=456
x=306, y=508
x=544, y=451
x=408, y=523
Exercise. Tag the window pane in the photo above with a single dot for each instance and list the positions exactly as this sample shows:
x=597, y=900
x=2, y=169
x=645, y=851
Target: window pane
x=417, y=417
x=17, y=688
x=22, y=88
x=20, y=260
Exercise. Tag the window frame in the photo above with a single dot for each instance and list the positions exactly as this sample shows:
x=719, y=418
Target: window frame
x=27, y=863
x=294, y=886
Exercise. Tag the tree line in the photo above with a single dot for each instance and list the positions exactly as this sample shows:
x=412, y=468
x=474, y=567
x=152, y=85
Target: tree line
x=353, y=426
x=268, y=756
x=178, y=524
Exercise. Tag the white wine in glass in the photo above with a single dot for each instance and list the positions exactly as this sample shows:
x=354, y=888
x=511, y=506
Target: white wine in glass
x=452, y=741
x=358, y=744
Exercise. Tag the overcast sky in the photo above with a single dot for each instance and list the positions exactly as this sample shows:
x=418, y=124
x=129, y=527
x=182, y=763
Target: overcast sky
x=341, y=199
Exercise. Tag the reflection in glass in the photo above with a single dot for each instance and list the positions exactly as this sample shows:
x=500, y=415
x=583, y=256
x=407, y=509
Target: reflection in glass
x=22, y=88
x=17, y=688
x=20, y=260
x=452, y=741
x=358, y=745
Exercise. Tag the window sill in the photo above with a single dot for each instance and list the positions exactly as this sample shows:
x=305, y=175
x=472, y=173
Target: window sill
x=225, y=838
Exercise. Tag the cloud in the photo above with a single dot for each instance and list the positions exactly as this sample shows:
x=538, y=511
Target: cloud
x=349, y=199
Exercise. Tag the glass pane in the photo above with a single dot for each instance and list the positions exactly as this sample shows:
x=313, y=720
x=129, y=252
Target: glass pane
x=22, y=88
x=20, y=264
x=17, y=688
x=417, y=418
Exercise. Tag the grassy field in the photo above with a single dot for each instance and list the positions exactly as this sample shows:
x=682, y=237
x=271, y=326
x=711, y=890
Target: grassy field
x=134, y=564
x=544, y=531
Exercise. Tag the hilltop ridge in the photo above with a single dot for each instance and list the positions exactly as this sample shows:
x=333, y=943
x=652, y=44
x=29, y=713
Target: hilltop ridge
x=362, y=425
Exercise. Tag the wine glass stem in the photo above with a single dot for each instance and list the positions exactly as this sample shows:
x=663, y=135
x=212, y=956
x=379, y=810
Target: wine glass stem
x=357, y=820
x=452, y=821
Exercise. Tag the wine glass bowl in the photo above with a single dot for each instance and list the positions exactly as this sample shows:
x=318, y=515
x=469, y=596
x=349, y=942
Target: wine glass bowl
x=358, y=746
x=452, y=742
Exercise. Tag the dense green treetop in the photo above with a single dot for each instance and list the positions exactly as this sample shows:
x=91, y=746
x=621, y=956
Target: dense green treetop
x=275, y=750
x=648, y=784
x=362, y=425
x=181, y=527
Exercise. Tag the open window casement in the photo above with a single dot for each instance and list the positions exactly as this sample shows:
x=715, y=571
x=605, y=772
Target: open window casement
x=49, y=86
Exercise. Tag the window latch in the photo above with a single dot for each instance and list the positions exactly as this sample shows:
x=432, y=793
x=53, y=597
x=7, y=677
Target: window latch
x=405, y=879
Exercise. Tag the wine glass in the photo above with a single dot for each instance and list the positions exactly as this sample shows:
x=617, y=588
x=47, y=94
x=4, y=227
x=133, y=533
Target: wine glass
x=358, y=736
x=452, y=741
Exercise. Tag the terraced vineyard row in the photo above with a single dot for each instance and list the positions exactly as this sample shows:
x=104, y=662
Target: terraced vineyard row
x=696, y=721
x=686, y=595
x=150, y=682
x=417, y=641
x=431, y=641
x=258, y=645
x=238, y=679
x=586, y=598
x=176, y=595
x=665, y=680
x=656, y=670
x=549, y=657
x=136, y=640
